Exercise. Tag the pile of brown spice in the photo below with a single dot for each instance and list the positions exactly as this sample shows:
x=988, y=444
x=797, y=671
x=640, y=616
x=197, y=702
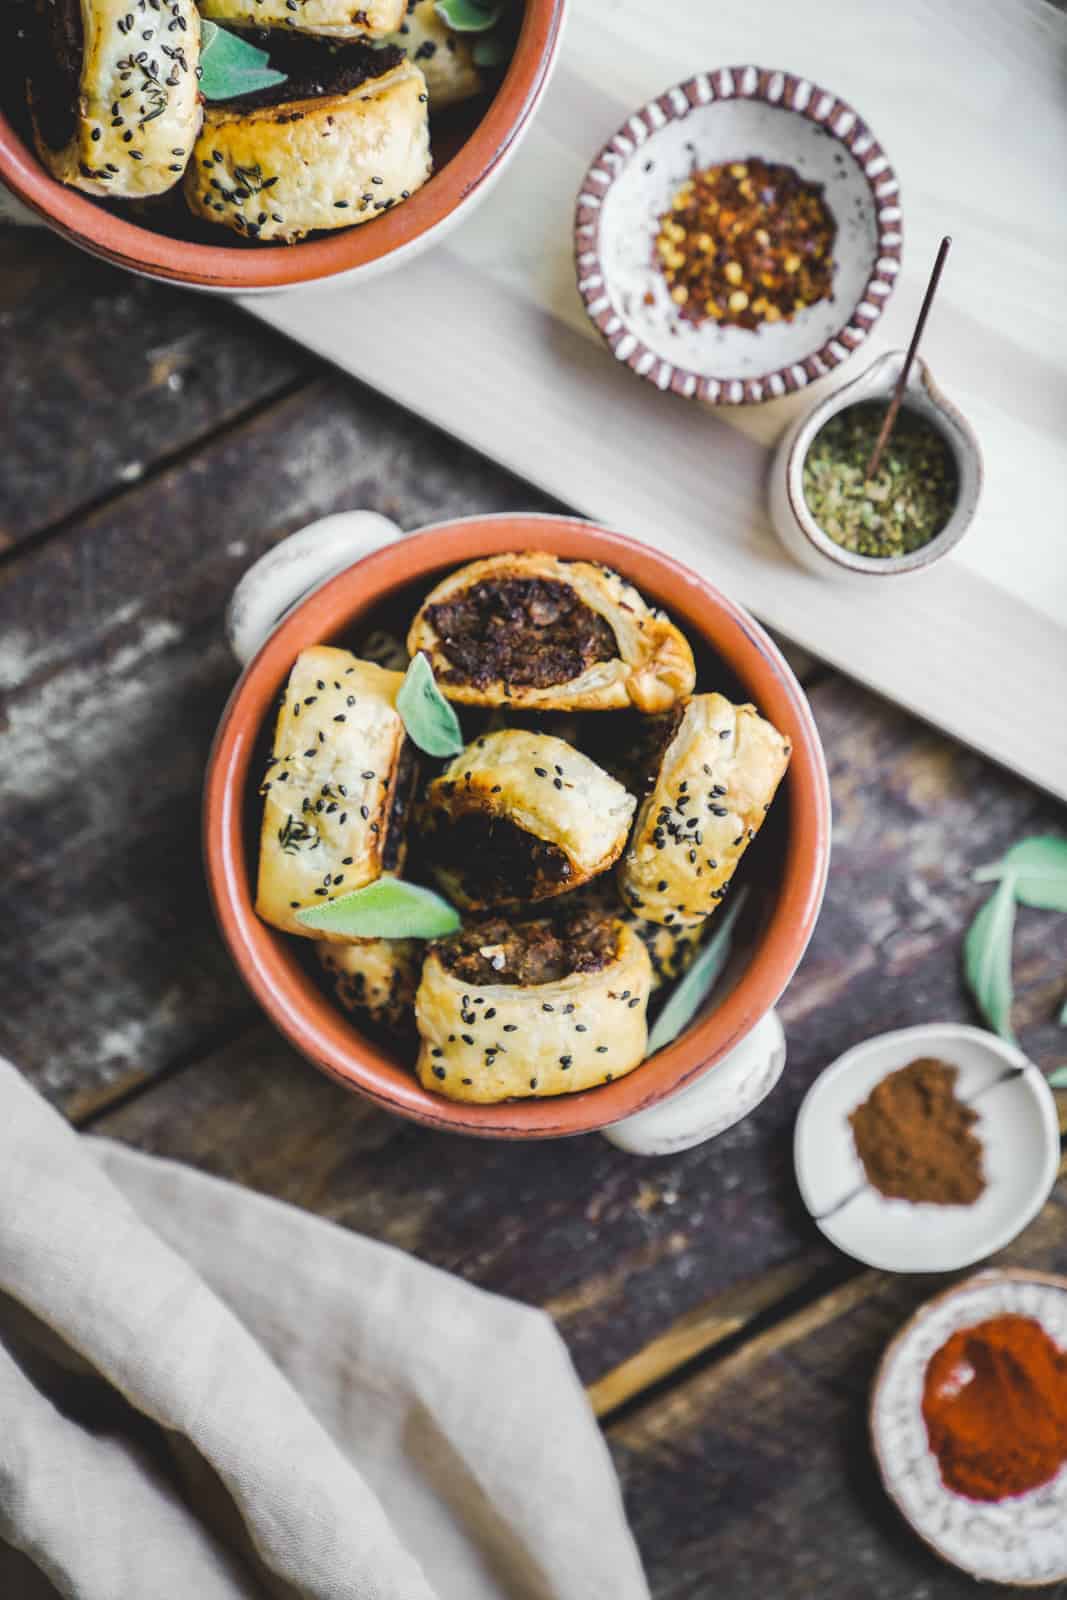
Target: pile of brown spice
x=915, y=1139
x=747, y=242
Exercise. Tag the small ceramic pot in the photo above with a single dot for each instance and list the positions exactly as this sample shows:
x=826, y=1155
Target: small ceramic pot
x=316, y=587
x=796, y=526
x=364, y=252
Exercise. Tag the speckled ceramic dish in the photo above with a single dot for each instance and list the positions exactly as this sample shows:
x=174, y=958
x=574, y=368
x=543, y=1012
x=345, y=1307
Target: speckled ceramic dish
x=1022, y=1540
x=1017, y=1126
x=728, y=115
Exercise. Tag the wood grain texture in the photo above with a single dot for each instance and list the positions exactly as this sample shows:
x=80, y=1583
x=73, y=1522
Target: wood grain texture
x=543, y=397
x=755, y=1477
x=106, y=374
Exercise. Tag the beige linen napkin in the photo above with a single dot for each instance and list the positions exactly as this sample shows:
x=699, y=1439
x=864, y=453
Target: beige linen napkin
x=207, y=1394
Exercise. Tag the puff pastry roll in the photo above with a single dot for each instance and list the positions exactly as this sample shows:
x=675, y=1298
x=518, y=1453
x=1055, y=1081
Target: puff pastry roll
x=444, y=56
x=113, y=93
x=720, y=768
x=337, y=19
x=536, y=632
x=531, y=1009
x=337, y=788
x=672, y=950
x=342, y=141
x=522, y=816
x=376, y=978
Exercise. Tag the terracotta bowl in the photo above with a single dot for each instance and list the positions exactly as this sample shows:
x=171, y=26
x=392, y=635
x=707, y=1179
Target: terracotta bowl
x=463, y=179
x=789, y=858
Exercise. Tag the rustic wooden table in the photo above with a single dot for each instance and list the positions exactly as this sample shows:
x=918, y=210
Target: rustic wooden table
x=155, y=443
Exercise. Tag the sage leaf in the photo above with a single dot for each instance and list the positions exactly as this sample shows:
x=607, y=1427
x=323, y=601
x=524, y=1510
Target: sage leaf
x=1063, y=1014
x=468, y=16
x=987, y=957
x=1039, y=866
x=389, y=908
x=231, y=66
x=692, y=990
x=431, y=722
x=1057, y=1079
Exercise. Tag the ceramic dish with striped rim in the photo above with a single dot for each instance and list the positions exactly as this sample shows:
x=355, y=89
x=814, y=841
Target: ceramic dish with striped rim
x=732, y=114
x=1021, y=1540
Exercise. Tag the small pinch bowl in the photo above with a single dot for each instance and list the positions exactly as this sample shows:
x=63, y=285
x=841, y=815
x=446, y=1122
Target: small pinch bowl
x=795, y=842
x=798, y=529
x=1022, y=1540
x=464, y=179
x=729, y=115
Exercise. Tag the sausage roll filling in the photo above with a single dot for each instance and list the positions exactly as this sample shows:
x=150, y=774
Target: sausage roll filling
x=338, y=19
x=523, y=816
x=340, y=142
x=535, y=632
x=714, y=784
x=336, y=789
x=545, y=1007
x=113, y=93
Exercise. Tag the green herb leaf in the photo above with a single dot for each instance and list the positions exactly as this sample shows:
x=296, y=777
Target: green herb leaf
x=987, y=957
x=1039, y=867
x=231, y=66
x=1063, y=1014
x=431, y=722
x=468, y=16
x=389, y=908
x=1057, y=1079
x=693, y=989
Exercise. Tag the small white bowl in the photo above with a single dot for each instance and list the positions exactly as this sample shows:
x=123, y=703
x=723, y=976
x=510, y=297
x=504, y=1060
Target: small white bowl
x=728, y=115
x=1017, y=1125
x=798, y=529
x=1022, y=1540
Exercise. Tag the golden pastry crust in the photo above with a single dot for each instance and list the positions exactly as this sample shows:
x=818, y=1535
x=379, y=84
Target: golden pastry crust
x=715, y=782
x=332, y=19
x=487, y=1042
x=672, y=950
x=377, y=978
x=651, y=666
x=138, y=108
x=335, y=788
x=279, y=172
x=522, y=816
x=444, y=56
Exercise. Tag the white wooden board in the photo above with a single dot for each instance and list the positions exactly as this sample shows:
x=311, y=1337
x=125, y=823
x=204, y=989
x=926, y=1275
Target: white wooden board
x=486, y=337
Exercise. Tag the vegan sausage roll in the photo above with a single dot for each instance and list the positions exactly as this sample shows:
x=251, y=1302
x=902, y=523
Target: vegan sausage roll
x=338, y=19
x=337, y=788
x=376, y=978
x=714, y=783
x=445, y=56
x=113, y=93
x=344, y=139
x=534, y=632
x=522, y=816
x=532, y=1009
x=672, y=949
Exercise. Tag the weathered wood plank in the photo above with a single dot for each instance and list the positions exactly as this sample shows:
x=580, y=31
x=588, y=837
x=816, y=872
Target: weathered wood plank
x=755, y=1477
x=106, y=374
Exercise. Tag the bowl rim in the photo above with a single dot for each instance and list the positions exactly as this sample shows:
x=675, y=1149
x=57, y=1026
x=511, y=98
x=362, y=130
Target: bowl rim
x=403, y=230
x=311, y=1020
x=784, y=91
x=988, y=1277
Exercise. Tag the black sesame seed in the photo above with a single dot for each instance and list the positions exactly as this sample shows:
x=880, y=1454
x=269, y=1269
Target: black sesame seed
x=565, y=1061
x=467, y=1039
x=438, y=1072
x=511, y=1027
x=546, y=1007
x=601, y=1049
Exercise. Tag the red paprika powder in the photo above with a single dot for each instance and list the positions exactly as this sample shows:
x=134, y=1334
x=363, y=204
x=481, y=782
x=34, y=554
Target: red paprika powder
x=995, y=1408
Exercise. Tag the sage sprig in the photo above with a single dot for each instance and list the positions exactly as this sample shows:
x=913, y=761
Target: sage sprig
x=694, y=988
x=230, y=66
x=430, y=721
x=389, y=908
x=1032, y=873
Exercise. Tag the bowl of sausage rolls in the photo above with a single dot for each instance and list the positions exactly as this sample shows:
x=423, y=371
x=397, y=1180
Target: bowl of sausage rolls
x=262, y=144
x=487, y=801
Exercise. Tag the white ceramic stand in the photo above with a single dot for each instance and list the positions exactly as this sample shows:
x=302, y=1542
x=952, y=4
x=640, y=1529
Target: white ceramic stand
x=297, y=566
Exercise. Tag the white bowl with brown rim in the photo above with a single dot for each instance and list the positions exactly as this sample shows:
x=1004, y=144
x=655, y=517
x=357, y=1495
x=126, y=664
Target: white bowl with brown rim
x=1021, y=1540
x=731, y=114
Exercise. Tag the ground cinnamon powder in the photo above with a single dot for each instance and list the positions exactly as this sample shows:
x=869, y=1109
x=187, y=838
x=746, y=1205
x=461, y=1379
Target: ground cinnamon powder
x=995, y=1408
x=914, y=1137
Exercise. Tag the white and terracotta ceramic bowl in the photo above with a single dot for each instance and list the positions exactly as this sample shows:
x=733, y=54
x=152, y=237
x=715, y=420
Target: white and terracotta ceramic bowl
x=729, y=115
x=1021, y=1540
